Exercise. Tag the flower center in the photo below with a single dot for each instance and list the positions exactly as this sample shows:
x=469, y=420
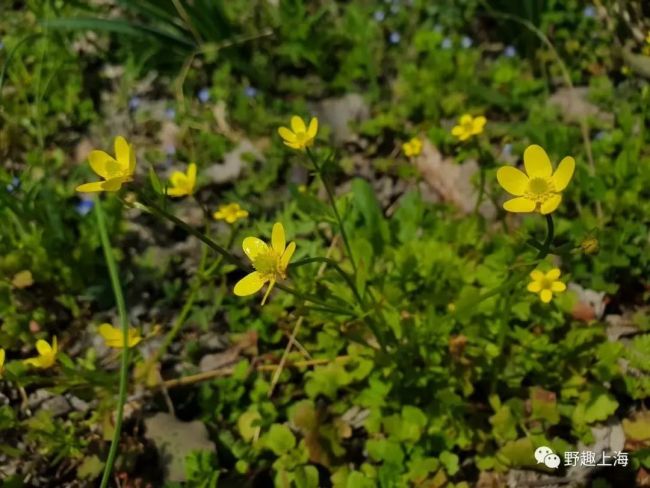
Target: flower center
x=268, y=264
x=540, y=189
x=468, y=126
x=546, y=284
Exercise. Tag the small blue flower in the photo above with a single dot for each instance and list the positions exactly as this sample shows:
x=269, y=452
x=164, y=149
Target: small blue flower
x=170, y=113
x=437, y=28
x=589, y=12
x=600, y=135
x=170, y=149
x=446, y=43
x=250, y=91
x=394, y=38
x=14, y=185
x=507, y=150
x=379, y=15
x=510, y=52
x=134, y=102
x=204, y=95
x=84, y=206
x=466, y=42
x=394, y=8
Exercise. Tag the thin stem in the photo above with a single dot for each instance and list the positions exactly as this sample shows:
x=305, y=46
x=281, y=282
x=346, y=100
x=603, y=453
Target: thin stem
x=481, y=189
x=330, y=195
x=124, y=367
x=550, y=233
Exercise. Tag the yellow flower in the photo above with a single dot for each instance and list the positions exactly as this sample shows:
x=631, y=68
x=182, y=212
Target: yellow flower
x=299, y=136
x=115, y=171
x=46, y=354
x=270, y=262
x=231, y=213
x=412, y=148
x=539, y=189
x=468, y=126
x=546, y=284
x=590, y=245
x=113, y=336
x=182, y=184
x=2, y=360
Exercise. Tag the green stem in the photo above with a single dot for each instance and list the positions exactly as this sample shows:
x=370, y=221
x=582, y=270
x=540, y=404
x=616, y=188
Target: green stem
x=330, y=195
x=550, y=233
x=124, y=367
x=481, y=190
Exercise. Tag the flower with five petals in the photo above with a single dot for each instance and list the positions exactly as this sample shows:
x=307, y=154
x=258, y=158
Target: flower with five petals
x=468, y=126
x=545, y=284
x=114, y=170
x=412, y=148
x=270, y=262
x=299, y=136
x=539, y=189
x=231, y=213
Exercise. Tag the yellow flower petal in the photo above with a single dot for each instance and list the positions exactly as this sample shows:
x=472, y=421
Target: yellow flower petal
x=177, y=191
x=278, y=240
x=297, y=124
x=122, y=152
x=465, y=119
x=457, y=130
x=43, y=347
x=253, y=246
x=512, y=180
x=564, y=173
x=286, y=134
x=537, y=275
x=553, y=274
x=90, y=187
x=545, y=295
x=551, y=204
x=286, y=257
x=312, y=130
x=537, y=163
x=478, y=124
x=114, y=184
x=535, y=286
x=2, y=359
x=249, y=284
x=178, y=178
x=558, y=287
x=519, y=204
x=191, y=175
x=103, y=164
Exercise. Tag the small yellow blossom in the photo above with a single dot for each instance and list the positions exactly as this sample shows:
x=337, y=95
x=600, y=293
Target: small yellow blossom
x=539, y=189
x=412, y=148
x=46, y=354
x=590, y=245
x=182, y=184
x=231, y=213
x=113, y=336
x=23, y=279
x=299, y=136
x=468, y=126
x=270, y=262
x=2, y=361
x=545, y=284
x=114, y=170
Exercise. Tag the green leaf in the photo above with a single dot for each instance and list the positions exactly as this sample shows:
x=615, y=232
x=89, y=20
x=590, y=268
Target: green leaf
x=450, y=461
x=248, y=423
x=600, y=405
x=279, y=439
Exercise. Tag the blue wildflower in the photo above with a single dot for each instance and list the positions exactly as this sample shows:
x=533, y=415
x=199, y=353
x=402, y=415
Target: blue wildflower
x=134, y=102
x=170, y=113
x=446, y=43
x=394, y=8
x=84, y=206
x=507, y=150
x=379, y=15
x=510, y=52
x=589, y=11
x=466, y=42
x=204, y=95
x=170, y=149
x=250, y=91
x=600, y=135
x=394, y=37
x=14, y=185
